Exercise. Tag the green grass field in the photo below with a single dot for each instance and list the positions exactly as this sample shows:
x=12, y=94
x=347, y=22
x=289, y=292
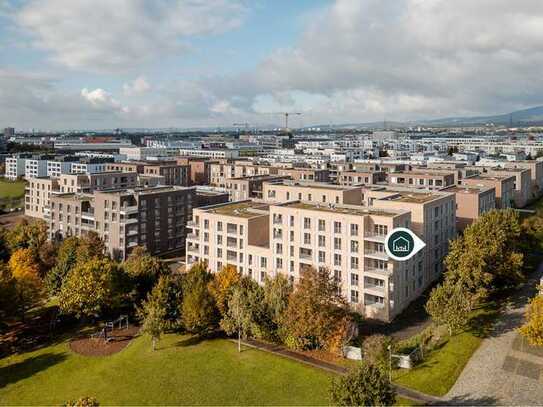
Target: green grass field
x=180, y=372
x=438, y=373
x=11, y=189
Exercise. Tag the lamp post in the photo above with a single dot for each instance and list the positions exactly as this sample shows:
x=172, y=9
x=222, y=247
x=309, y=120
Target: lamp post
x=389, y=363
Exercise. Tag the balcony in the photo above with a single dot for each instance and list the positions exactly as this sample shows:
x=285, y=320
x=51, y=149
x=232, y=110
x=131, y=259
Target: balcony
x=374, y=254
x=377, y=271
x=193, y=236
x=232, y=257
x=132, y=232
x=374, y=287
x=87, y=216
x=306, y=256
x=192, y=224
x=126, y=210
x=374, y=237
x=232, y=243
x=129, y=221
x=132, y=243
x=193, y=249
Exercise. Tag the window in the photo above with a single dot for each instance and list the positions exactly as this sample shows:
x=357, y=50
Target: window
x=322, y=225
x=279, y=263
x=219, y=239
x=354, y=296
x=279, y=248
x=219, y=226
x=337, y=243
x=322, y=257
x=206, y=223
x=307, y=223
x=337, y=259
x=354, y=230
x=292, y=235
x=322, y=241
x=263, y=262
x=337, y=227
x=354, y=246
x=307, y=238
x=354, y=263
x=354, y=279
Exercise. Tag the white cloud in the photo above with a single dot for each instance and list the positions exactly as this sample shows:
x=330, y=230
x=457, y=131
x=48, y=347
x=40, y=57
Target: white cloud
x=114, y=35
x=137, y=87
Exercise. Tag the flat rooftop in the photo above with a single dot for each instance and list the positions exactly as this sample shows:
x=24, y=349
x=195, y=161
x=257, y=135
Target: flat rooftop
x=243, y=209
x=485, y=177
x=343, y=209
x=471, y=190
x=313, y=185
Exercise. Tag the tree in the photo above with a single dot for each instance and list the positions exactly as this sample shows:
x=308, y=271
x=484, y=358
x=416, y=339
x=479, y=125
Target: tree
x=90, y=247
x=144, y=270
x=168, y=292
x=487, y=256
x=277, y=291
x=315, y=311
x=83, y=402
x=532, y=329
x=449, y=304
x=199, y=312
x=66, y=261
x=245, y=310
x=364, y=385
x=153, y=317
x=89, y=288
x=26, y=274
x=222, y=285
x=376, y=349
x=8, y=293
x=27, y=235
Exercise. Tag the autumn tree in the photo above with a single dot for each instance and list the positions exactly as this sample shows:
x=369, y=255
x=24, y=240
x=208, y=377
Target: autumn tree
x=486, y=257
x=376, y=349
x=90, y=288
x=199, y=312
x=153, y=316
x=532, y=329
x=364, y=385
x=8, y=293
x=144, y=270
x=221, y=286
x=27, y=235
x=449, y=304
x=245, y=311
x=26, y=274
x=315, y=311
x=90, y=247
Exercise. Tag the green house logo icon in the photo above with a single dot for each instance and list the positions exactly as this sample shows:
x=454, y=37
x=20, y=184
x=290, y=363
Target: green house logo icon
x=402, y=244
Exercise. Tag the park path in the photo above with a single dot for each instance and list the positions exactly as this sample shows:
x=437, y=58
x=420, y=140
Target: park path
x=504, y=370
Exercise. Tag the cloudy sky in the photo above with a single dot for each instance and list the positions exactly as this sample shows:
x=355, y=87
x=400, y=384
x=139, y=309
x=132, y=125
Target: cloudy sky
x=186, y=63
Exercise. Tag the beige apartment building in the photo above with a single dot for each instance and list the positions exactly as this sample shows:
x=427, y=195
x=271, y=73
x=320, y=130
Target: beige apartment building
x=173, y=173
x=199, y=169
x=79, y=183
x=471, y=203
x=536, y=174
x=154, y=218
x=522, y=186
x=380, y=166
x=240, y=189
x=460, y=170
x=433, y=219
x=225, y=169
x=425, y=179
x=361, y=177
x=305, y=174
x=37, y=196
x=504, y=187
x=262, y=239
x=325, y=194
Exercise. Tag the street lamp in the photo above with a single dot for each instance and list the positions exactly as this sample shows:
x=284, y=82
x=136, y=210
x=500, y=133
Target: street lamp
x=389, y=347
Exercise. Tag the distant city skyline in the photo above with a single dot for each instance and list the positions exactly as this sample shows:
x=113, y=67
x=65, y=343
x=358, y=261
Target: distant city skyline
x=204, y=63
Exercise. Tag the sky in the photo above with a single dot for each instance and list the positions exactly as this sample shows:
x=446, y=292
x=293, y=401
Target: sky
x=98, y=64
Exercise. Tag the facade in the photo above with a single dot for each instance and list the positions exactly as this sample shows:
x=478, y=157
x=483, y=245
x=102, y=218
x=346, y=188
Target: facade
x=240, y=189
x=15, y=166
x=471, y=203
x=224, y=170
x=199, y=169
x=522, y=185
x=536, y=174
x=361, y=177
x=37, y=196
x=305, y=174
x=173, y=173
x=87, y=183
x=427, y=179
x=324, y=194
x=154, y=218
x=209, y=153
x=504, y=187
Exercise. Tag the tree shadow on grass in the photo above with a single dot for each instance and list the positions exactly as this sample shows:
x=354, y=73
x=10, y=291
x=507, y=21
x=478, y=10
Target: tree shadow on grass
x=468, y=400
x=30, y=366
x=190, y=341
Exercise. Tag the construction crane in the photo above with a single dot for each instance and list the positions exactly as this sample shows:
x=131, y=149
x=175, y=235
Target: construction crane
x=287, y=114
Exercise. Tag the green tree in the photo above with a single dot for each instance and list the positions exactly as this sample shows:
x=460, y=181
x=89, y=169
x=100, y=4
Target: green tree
x=315, y=312
x=153, y=317
x=90, y=247
x=487, y=256
x=277, y=291
x=199, y=312
x=222, y=285
x=144, y=270
x=168, y=291
x=449, y=304
x=376, y=350
x=532, y=329
x=364, y=385
x=66, y=261
x=8, y=296
x=90, y=288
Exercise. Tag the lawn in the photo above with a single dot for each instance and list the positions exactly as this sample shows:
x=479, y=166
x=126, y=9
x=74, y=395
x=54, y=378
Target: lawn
x=180, y=372
x=11, y=189
x=438, y=373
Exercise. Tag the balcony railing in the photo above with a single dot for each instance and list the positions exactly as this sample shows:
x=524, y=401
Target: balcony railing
x=192, y=236
x=129, y=209
x=376, y=254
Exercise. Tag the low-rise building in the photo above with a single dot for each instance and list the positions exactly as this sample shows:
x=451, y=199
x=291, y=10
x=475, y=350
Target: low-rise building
x=325, y=194
x=361, y=177
x=305, y=174
x=471, y=203
x=504, y=187
x=427, y=179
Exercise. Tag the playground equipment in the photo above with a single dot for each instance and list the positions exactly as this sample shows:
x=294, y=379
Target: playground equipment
x=109, y=326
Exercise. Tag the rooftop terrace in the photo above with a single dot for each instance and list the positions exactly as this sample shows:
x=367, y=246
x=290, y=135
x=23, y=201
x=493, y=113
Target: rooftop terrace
x=343, y=209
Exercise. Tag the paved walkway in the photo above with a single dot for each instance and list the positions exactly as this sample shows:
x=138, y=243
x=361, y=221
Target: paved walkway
x=505, y=370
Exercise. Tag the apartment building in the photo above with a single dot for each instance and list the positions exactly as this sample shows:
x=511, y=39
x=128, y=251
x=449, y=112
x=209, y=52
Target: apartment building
x=154, y=218
x=224, y=170
x=433, y=219
x=471, y=203
x=199, y=169
x=287, y=190
x=60, y=165
x=522, y=185
x=380, y=166
x=173, y=173
x=89, y=165
x=460, y=170
x=427, y=179
x=86, y=183
x=37, y=196
x=209, y=153
x=536, y=174
x=240, y=189
x=36, y=166
x=361, y=177
x=504, y=187
x=126, y=166
x=305, y=174
x=262, y=239
x=15, y=166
